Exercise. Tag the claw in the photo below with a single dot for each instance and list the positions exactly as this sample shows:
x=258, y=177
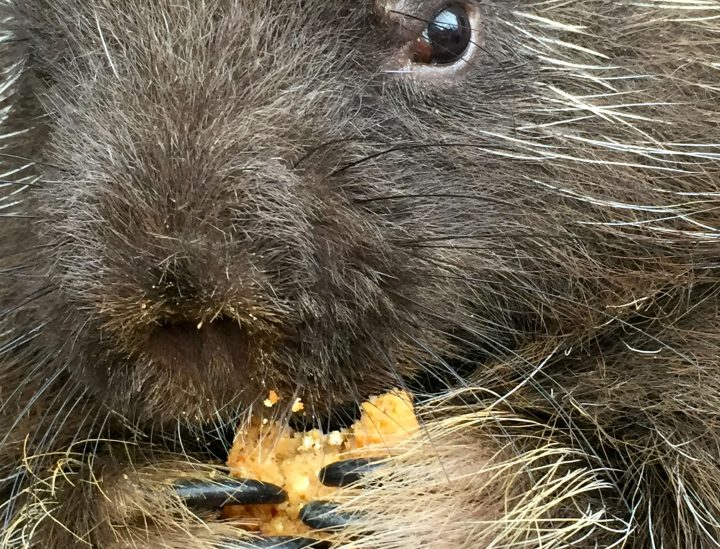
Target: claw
x=275, y=542
x=214, y=494
x=342, y=473
x=323, y=515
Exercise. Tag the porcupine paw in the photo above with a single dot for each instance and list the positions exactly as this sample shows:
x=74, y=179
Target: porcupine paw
x=159, y=505
x=186, y=513
x=455, y=485
x=427, y=492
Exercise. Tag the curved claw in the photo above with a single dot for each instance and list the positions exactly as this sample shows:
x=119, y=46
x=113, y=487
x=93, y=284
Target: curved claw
x=349, y=471
x=275, y=542
x=214, y=494
x=323, y=515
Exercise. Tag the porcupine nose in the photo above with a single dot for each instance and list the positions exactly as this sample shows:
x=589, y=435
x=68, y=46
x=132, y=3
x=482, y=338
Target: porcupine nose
x=191, y=293
x=198, y=244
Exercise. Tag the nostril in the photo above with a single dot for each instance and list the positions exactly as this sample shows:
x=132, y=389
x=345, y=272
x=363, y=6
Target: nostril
x=185, y=343
x=173, y=329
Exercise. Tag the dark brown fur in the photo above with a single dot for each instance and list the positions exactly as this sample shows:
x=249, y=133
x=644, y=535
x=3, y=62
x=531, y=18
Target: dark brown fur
x=202, y=201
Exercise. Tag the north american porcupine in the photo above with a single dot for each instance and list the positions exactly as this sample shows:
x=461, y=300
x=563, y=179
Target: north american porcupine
x=201, y=200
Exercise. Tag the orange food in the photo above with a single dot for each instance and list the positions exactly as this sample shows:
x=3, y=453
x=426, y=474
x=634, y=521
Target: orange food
x=272, y=453
x=272, y=399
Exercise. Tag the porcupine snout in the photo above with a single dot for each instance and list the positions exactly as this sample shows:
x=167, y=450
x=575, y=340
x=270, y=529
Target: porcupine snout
x=210, y=236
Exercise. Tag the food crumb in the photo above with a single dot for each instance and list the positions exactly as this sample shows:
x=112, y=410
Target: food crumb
x=271, y=400
x=335, y=438
x=297, y=406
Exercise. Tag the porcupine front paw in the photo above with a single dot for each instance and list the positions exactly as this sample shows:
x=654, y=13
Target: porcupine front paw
x=426, y=493
x=458, y=484
x=166, y=504
x=404, y=501
x=197, y=500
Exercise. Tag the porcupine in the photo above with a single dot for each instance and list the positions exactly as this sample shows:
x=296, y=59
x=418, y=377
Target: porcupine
x=509, y=205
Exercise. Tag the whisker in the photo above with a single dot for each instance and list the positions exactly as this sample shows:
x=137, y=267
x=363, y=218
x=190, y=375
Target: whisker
x=32, y=161
x=18, y=216
x=28, y=250
x=18, y=269
x=38, y=294
x=325, y=145
x=47, y=384
x=21, y=340
x=53, y=429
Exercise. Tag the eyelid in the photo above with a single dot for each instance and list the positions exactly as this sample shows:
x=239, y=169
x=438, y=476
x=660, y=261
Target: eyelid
x=408, y=18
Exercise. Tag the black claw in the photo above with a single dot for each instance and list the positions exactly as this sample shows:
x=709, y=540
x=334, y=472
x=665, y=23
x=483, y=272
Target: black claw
x=323, y=515
x=214, y=494
x=276, y=542
x=342, y=473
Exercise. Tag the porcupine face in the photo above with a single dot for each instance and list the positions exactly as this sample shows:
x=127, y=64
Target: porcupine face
x=320, y=197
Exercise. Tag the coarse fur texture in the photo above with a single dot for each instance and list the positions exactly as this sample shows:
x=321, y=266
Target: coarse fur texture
x=204, y=200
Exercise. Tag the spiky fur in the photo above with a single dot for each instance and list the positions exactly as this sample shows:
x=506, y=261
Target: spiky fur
x=255, y=177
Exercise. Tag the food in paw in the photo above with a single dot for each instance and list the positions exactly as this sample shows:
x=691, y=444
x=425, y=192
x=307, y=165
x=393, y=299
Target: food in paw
x=275, y=453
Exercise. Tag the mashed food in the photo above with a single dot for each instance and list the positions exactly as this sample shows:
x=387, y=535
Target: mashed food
x=271, y=453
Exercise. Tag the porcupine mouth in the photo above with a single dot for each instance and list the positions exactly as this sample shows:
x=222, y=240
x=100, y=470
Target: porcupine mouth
x=184, y=345
x=178, y=344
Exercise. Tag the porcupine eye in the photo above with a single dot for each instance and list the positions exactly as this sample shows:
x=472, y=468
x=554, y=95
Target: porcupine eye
x=446, y=38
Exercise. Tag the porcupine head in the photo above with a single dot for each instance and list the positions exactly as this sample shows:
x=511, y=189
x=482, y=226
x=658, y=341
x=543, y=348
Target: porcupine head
x=203, y=201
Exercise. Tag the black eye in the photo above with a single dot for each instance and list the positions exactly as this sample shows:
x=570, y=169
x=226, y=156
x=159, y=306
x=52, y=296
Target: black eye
x=446, y=37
